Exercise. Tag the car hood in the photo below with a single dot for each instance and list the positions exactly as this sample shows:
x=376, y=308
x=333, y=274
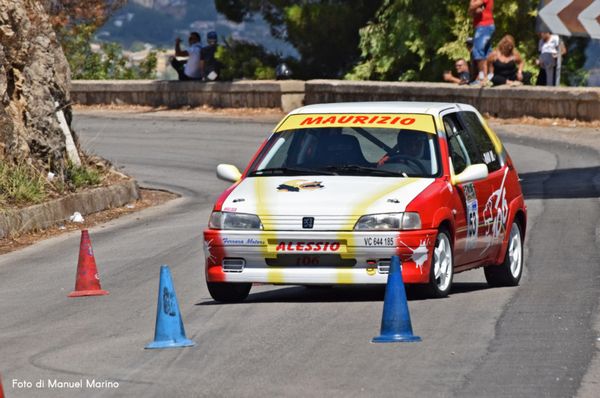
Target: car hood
x=334, y=201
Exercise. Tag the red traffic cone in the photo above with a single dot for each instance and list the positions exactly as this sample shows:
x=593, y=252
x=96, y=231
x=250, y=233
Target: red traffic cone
x=87, y=282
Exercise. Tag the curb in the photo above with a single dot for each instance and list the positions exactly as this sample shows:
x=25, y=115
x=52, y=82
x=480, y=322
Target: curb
x=20, y=221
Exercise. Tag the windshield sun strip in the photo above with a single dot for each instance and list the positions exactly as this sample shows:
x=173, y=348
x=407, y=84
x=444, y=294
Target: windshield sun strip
x=417, y=121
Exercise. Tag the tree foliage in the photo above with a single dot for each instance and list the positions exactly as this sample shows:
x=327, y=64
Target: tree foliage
x=70, y=13
x=244, y=60
x=418, y=40
x=325, y=32
x=415, y=40
x=75, y=22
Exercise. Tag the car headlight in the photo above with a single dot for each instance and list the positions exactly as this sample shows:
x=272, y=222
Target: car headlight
x=388, y=221
x=226, y=220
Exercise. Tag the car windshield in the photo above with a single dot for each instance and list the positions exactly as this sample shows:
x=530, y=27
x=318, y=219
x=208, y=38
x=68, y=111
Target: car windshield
x=359, y=151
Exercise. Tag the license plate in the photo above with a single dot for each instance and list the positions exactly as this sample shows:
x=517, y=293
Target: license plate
x=307, y=260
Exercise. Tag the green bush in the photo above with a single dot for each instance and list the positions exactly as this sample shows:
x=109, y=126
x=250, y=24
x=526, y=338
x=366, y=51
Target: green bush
x=20, y=184
x=107, y=63
x=244, y=60
x=82, y=176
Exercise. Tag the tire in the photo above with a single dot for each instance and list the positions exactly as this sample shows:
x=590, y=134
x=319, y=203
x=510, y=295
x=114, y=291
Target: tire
x=442, y=266
x=228, y=292
x=510, y=271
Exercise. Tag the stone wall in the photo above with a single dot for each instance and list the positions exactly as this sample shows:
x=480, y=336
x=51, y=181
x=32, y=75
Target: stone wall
x=175, y=94
x=504, y=102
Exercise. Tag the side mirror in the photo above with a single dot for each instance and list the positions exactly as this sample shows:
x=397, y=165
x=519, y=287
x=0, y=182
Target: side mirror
x=228, y=172
x=472, y=173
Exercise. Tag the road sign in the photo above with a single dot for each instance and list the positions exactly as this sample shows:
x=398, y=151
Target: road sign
x=571, y=17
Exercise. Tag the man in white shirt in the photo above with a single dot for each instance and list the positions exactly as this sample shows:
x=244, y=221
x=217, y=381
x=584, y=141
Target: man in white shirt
x=190, y=69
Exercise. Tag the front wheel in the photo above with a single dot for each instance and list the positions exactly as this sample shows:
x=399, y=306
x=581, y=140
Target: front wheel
x=509, y=272
x=442, y=267
x=228, y=292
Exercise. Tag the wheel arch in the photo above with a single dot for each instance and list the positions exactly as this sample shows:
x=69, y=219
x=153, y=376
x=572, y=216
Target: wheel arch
x=443, y=218
x=516, y=213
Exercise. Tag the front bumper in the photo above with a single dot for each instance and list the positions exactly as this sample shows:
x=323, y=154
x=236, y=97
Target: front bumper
x=300, y=257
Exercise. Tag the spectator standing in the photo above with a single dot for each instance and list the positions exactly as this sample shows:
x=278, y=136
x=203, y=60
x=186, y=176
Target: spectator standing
x=482, y=12
x=472, y=63
x=191, y=69
x=209, y=64
x=548, y=46
x=462, y=71
x=506, y=65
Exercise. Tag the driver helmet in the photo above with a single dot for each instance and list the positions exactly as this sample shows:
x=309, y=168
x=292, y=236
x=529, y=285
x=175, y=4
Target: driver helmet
x=411, y=143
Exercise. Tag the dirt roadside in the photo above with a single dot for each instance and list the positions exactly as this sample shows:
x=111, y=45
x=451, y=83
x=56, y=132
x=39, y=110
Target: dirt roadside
x=148, y=198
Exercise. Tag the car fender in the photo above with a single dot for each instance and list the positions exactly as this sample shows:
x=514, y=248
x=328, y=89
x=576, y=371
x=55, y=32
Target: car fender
x=441, y=215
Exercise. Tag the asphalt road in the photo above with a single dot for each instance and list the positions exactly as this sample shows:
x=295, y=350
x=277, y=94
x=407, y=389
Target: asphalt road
x=538, y=339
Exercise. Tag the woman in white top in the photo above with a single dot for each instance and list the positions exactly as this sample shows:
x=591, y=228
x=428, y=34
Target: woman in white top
x=548, y=46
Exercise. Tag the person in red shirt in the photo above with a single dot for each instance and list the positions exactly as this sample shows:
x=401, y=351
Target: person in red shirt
x=482, y=12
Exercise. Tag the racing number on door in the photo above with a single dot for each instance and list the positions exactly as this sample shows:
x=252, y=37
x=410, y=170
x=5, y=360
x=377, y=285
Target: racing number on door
x=472, y=216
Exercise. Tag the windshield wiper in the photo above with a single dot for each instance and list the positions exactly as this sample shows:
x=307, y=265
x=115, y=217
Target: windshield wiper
x=288, y=171
x=353, y=168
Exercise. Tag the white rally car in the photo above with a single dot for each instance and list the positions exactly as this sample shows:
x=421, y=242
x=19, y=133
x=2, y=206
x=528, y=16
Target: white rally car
x=337, y=189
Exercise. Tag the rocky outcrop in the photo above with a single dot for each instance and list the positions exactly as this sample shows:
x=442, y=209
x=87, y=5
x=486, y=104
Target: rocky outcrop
x=34, y=74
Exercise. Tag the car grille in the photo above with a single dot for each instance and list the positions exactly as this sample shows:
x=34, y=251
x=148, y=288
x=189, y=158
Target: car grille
x=321, y=223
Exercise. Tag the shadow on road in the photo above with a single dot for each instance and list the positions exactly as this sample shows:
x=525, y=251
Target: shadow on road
x=562, y=183
x=326, y=294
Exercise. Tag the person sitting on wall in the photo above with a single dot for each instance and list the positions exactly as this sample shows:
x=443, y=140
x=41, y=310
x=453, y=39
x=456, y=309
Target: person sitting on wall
x=209, y=64
x=190, y=69
x=506, y=65
x=462, y=71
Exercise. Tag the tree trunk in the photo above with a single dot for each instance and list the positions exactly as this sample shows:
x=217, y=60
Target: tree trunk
x=34, y=74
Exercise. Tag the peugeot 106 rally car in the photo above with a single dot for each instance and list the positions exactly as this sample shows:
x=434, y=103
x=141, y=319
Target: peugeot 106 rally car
x=337, y=189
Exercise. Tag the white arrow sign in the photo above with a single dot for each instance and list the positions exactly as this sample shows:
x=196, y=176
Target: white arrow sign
x=549, y=14
x=589, y=19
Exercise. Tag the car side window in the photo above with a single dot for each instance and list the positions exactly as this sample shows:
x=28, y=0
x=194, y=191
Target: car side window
x=489, y=156
x=463, y=151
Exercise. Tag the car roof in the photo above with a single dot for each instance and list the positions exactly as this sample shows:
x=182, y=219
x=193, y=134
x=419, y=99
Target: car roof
x=432, y=108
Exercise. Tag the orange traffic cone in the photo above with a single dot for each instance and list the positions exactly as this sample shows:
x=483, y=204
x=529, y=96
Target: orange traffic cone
x=87, y=282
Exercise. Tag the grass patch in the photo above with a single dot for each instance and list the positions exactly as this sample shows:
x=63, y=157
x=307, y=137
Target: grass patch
x=82, y=176
x=20, y=184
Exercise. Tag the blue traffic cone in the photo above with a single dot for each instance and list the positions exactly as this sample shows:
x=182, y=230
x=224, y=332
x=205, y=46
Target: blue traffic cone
x=169, y=332
x=395, y=323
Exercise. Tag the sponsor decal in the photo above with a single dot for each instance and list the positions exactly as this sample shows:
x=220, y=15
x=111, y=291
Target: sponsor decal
x=495, y=214
x=356, y=120
x=298, y=185
x=379, y=241
x=230, y=209
x=420, y=254
x=489, y=157
x=307, y=246
x=395, y=121
x=207, y=251
x=472, y=215
x=242, y=242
